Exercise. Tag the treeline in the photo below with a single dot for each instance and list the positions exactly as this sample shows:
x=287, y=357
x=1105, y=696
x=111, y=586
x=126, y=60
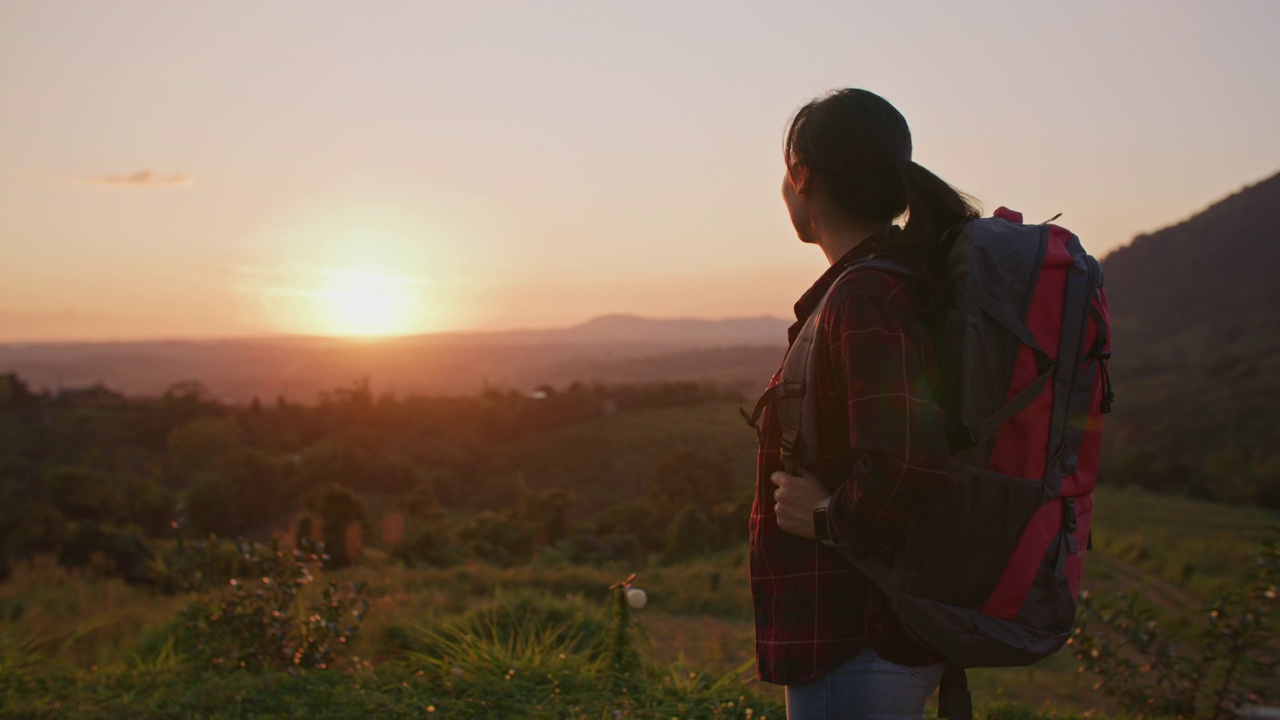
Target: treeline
x=96, y=478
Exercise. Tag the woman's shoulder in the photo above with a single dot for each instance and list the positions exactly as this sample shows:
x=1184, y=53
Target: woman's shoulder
x=880, y=282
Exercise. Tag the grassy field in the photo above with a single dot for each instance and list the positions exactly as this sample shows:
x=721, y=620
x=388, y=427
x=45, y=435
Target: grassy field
x=73, y=644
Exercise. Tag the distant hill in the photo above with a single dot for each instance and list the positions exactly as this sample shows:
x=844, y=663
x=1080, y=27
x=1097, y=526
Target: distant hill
x=1196, y=319
x=738, y=353
x=635, y=329
x=1204, y=287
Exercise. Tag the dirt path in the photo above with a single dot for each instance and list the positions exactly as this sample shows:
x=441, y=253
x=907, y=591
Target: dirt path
x=1126, y=577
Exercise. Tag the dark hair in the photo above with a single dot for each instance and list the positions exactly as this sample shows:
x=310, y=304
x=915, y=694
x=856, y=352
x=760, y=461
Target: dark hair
x=858, y=146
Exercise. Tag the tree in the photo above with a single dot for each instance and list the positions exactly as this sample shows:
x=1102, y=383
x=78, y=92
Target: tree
x=353, y=464
x=245, y=491
x=81, y=493
x=498, y=537
x=338, y=509
x=114, y=549
x=691, y=476
x=187, y=400
x=420, y=503
x=431, y=543
x=545, y=512
x=195, y=446
x=688, y=537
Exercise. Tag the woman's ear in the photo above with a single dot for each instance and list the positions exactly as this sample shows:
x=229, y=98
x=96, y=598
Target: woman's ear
x=801, y=179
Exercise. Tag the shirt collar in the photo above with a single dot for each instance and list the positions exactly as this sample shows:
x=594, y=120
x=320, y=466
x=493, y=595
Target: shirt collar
x=810, y=299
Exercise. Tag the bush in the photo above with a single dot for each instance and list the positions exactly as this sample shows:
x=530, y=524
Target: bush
x=338, y=509
x=497, y=537
x=1230, y=662
x=261, y=619
x=245, y=491
x=689, y=536
x=432, y=545
x=110, y=549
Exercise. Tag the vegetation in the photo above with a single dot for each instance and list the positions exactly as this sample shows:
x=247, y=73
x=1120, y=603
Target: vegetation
x=1229, y=661
x=1196, y=319
x=98, y=479
x=456, y=643
x=468, y=548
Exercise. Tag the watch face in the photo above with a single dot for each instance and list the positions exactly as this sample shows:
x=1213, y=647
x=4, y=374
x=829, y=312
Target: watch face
x=820, y=528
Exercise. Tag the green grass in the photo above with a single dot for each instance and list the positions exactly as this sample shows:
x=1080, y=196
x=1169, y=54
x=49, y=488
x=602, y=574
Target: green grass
x=483, y=641
x=383, y=693
x=1199, y=546
x=521, y=654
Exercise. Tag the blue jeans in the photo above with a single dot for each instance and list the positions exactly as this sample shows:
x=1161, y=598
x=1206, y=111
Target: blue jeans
x=865, y=687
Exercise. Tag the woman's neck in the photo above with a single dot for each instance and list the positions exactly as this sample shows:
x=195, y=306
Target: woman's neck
x=838, y=235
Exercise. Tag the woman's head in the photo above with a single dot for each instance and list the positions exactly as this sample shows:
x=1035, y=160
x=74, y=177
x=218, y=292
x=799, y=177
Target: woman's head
x=857, y=147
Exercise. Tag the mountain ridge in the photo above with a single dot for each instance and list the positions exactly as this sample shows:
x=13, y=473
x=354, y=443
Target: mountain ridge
x=1203, y=286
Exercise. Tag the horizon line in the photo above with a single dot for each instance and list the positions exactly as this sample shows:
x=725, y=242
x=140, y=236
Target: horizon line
x=375, y=339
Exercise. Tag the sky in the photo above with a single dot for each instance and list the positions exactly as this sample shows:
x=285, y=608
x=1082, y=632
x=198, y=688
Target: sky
x=182, y=169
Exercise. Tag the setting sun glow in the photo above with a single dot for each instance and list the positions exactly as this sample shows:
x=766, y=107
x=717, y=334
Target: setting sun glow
x=357, y=303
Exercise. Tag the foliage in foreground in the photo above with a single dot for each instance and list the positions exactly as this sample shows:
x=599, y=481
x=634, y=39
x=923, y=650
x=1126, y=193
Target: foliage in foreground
x=266, y=616
x=531, y=657
x=1231, y=661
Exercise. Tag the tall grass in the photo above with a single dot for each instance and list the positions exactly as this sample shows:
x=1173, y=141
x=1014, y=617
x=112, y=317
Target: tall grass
x=484, y=641
x=1201, y=547
x=521, y=653
x=49, y=613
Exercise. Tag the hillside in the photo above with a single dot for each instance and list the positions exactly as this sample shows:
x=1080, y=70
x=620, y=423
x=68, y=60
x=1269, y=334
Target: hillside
x=1196, y=319
x=1204, y=288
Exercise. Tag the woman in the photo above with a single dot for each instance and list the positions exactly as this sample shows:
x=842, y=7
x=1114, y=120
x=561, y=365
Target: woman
x=821, y=627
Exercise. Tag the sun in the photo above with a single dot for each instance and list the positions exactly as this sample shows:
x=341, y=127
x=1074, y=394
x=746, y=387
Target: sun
x=363, y=303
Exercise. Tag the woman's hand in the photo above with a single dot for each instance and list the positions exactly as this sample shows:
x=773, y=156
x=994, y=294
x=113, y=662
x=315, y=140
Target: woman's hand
x=794, y=501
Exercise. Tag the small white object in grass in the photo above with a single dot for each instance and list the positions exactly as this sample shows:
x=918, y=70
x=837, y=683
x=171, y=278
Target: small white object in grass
x=636, y=598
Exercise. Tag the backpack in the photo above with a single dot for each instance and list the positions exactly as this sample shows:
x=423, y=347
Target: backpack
x=991, y=572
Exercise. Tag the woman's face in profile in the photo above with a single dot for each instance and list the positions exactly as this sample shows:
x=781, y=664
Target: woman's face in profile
x=797, y=203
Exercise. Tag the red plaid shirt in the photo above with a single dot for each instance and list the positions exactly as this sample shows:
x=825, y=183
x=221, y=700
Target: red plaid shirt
x=881, y=447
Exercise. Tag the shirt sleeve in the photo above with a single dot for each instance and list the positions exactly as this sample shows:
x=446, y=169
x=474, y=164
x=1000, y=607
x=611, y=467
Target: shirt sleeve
x=878, y=353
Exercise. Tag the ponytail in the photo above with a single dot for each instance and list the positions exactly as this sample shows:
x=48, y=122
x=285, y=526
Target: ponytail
x=933, y=207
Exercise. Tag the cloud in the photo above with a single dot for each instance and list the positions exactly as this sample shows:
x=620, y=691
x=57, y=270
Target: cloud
x=144, y=178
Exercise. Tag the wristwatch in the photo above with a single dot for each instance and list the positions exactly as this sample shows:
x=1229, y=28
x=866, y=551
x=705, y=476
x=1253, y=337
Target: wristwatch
x=822, y=523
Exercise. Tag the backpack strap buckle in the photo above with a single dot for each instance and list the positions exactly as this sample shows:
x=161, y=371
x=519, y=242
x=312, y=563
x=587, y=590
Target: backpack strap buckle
x=787, y=443
x=786, y=388
x=1069, y=524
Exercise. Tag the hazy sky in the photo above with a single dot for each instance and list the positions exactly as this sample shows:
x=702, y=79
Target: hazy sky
x=197, y=169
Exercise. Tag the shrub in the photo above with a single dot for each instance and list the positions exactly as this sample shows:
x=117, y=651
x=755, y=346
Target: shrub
x=339, y=508
x=109, y=548
x=688, y=537
x=262, y=619
x=1231, y=661
x=497, y=537
x=429, y=545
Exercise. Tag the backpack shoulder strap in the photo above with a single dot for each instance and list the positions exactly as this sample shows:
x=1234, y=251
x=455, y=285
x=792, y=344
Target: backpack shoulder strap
x=887, y=264
x=792, y=396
